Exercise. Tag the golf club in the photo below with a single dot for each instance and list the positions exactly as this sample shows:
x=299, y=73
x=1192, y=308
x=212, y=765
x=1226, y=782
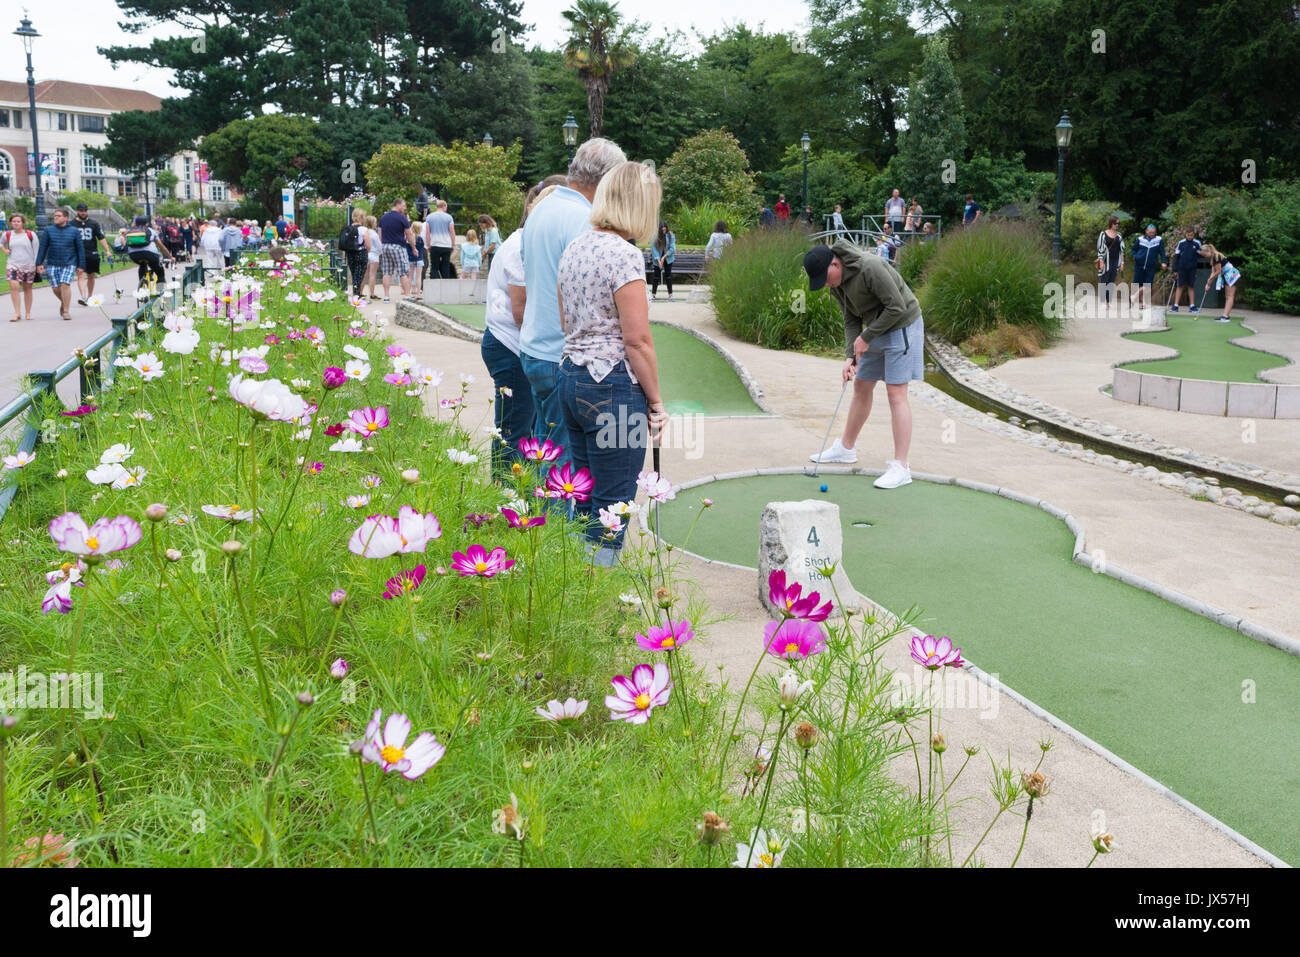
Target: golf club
x=829, y=425
x=655, y=463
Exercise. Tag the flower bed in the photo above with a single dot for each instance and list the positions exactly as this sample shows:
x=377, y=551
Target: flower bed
x=260, y=607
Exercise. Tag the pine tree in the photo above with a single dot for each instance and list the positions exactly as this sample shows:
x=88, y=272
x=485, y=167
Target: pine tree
x=933, y=148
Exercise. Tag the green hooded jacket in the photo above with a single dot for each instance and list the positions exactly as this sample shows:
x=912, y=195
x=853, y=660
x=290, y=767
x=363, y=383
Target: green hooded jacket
x=871, y=294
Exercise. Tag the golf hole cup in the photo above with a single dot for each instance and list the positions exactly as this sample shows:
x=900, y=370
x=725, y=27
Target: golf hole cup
x=803, y=539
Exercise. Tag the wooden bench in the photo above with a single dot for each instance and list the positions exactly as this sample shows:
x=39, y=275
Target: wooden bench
x=685, y=263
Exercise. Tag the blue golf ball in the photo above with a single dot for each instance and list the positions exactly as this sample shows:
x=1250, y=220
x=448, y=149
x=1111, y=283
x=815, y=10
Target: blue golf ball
x=823, y=488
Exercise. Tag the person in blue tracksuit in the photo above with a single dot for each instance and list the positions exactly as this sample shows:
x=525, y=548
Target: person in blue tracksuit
x=1148, y=253
x=1186, y=255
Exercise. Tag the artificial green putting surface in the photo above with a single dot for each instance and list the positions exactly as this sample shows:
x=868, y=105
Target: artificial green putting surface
x=1158, y=685
x=1205, y=352
x=693, y=378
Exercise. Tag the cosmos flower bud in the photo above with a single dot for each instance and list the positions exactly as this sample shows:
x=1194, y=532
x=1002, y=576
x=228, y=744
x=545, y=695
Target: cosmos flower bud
x=339, y=669
x=1035, y=784
x=232, y=547
x=338, y=598
x=938, y=745
x=663, y=598
x=306, y=699
x=174, y=554
x=806, y=735
x=61, y=474
x=156, y=512
x=410, y=476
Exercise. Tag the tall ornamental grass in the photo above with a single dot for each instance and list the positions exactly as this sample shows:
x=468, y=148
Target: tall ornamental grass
x=760, y=294
x=694, y=223
x=990, y=274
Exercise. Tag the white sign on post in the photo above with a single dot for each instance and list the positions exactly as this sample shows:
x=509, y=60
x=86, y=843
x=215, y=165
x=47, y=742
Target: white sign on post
x=286, y=203
x=804, y=539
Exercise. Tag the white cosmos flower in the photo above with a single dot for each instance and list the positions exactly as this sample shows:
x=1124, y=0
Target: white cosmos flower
x=404, y=363
x=791, y=688
x=181, y=342
x=270, y=398
x=357, y=352
x=466, y=378
x=347, y=445
x=148, y=365
x=356, y=369
x=116, y=453
x=768, y=849
x=231, y=513
x=461, y=457
x=356, y=501
x=105, y=474
x=300, y=383
x=130, y=478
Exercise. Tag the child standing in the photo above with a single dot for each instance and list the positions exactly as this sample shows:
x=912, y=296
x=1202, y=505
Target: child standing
x=471, y=255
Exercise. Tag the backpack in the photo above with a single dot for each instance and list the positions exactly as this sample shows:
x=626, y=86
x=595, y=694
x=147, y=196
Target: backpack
x=137, y=238
x=31, y=237
x=173, y=234
x=350, y=238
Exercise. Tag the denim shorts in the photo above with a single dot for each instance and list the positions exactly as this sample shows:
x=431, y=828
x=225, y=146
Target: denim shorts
x=897, y=357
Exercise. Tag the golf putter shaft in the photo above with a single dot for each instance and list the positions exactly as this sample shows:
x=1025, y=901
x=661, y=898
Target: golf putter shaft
x=830, y=425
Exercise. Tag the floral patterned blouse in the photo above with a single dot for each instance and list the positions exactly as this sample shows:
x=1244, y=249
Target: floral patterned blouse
x=595, y=266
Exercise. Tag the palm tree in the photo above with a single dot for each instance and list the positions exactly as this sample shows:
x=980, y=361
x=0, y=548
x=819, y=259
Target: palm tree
x=599, y=46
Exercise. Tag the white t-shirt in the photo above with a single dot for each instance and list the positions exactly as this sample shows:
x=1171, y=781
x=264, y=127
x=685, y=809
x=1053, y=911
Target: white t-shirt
x=439, y=225
x=896, y=208
x=507, y=270
x=373, y=255
x=22, y=251
x=211, y=238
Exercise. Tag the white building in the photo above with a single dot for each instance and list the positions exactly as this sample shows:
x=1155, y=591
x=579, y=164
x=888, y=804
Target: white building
x=71, y=118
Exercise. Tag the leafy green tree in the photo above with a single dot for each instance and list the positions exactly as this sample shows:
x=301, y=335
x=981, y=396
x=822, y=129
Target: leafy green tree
x=599, y=46
x=834, y=176
x=478, y=176
x=353, y=134
x=266, y=153
x=140, y=139
x=935, y=140
x=491, y=92
x=709, y=166
x=559, y=92
x=657, y=101
x=167, y=181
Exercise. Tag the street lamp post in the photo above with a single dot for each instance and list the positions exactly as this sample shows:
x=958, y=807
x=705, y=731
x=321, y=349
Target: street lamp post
x=805, y=142
x=570, y=131
x=487, y=140
x=29, y=34
x=1063, y=133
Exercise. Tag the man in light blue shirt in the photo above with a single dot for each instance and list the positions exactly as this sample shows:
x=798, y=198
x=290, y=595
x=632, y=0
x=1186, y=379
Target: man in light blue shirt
x=552, y=225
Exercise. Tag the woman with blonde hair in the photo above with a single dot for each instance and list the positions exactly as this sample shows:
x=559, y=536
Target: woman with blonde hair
x=1227, y=275
x=358, y=259
x=609, y=373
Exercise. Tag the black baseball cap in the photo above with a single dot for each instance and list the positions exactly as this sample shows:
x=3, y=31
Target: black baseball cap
x=815, y=263
x=81, y=206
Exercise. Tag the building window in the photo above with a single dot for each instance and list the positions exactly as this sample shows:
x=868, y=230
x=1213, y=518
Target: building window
x=92, y=184
x=126, y=187
x=217, y=192
x=4, y=118
x=187, y=190
x=90, y=124
x=63, y=121
x=62, y=169
x=91, y=165
x=6, y=171
x=18, y=119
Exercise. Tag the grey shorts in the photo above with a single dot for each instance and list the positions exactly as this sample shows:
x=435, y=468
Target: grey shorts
x=897, y=357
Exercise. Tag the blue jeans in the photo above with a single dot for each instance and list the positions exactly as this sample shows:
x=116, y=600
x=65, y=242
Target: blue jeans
x=548, y=415
x=513, y=414
x=609, y=428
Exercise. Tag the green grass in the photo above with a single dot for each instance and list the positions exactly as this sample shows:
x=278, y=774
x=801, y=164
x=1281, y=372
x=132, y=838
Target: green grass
x=1204, y=351
x=693, y=378
x=1160, y=686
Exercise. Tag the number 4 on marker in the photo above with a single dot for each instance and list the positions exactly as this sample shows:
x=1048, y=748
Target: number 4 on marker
x=812, y=536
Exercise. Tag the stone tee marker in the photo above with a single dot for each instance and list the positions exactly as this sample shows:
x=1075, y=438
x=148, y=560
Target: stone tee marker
x=802, y=539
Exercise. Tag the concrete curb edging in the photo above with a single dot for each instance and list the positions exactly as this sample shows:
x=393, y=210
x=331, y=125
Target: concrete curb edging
x=412, y=314
x=1245, y=627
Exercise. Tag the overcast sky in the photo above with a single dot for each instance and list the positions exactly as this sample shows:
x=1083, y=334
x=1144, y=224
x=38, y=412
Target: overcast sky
x=66, y=47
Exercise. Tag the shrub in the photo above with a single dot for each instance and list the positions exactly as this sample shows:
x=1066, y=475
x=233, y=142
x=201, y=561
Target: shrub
x=693, y=223
x=986, y=276
x=912, y=260
x=1080, y=224
x=760, y=294
x=709, y=166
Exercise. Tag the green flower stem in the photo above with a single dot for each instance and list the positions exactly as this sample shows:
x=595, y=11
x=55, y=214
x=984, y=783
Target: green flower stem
x=767, y=787
x=1029, y=813
x=275, y=766
x=4, y=809
x=740, y=709
x=1095, y=852
x=251, y=633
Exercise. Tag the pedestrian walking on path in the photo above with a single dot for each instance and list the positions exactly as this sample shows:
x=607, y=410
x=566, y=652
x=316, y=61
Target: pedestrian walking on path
x=884, y=338
x=1148, y=254
x=663, y=251
x=20, y=246
x=1110, y=257
x=92, y=238
x=60, y=255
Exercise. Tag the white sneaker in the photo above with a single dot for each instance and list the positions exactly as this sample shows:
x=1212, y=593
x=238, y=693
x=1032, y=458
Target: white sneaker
x=896, y=474
x=836, y=453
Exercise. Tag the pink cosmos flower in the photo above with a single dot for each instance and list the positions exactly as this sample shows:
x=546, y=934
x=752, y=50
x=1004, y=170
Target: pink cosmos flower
x=634, y=698
x=406, y=581
x=253, y=364
x=570, y=485
x=18, y=460
x=521, y=522
x=476, y=560
x=788, y=601
x=448, y=403
x=793, y=639
x=336, y=429
x=367, y=421
x=544, y=451
x=394, y=378
x=658, y=488
x=382, y=535
x=334, y=377
x=666, y=638
x=395, y=350
x=61, y=580
x=272, y=339
x=71, y=534
x=933, y=653
x=314, y=334
x=386, y=746
x=339, y=669
x=80, y=410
